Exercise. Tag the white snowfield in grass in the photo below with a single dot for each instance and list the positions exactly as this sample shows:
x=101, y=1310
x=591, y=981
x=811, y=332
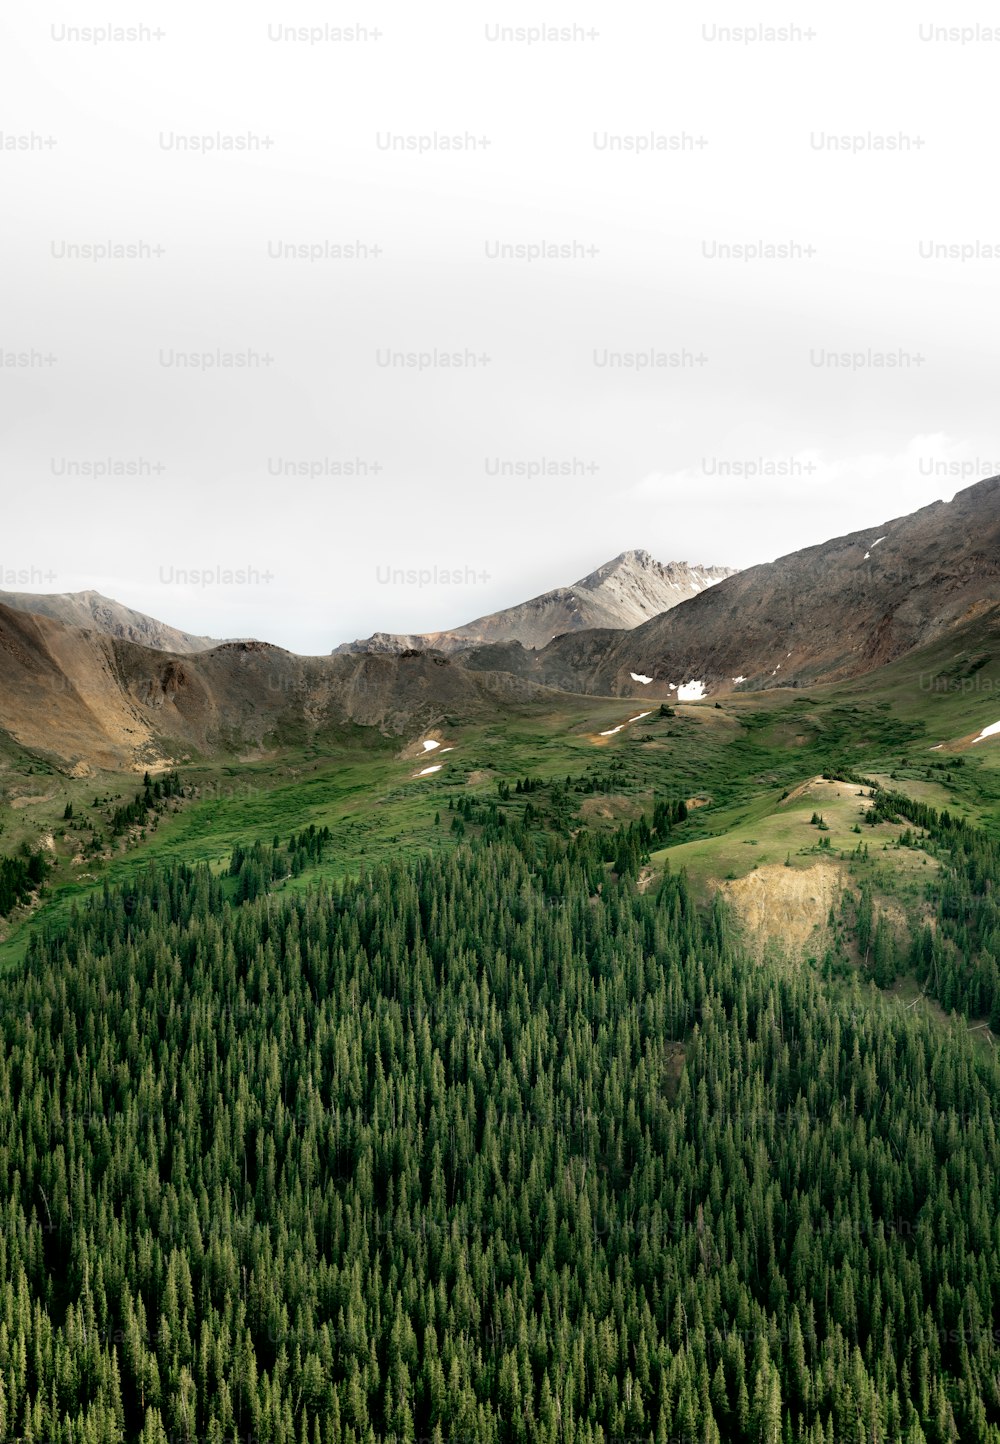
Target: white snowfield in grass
x=430, y=745
x=691, y=692
x=638, y=677
x=612, y=730
x=988, y=732
x=426, y=771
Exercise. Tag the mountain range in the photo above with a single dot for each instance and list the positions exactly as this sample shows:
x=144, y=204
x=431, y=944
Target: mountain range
x=91, y=700
x=103, y=614
x=828, y=612
x=629, y=590
x=105, y=696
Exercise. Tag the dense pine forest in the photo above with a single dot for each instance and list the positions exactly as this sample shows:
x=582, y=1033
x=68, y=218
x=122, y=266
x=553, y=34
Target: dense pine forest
x=19, y=877
x=958, y=960
x=492, y=1146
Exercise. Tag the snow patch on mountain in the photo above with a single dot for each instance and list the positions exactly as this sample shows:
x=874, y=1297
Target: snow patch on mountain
x=691, y=692
x=612, y=730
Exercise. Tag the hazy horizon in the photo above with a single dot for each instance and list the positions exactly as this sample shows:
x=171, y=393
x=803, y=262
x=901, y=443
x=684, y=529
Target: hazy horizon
x=318, y=301
x=194, y=606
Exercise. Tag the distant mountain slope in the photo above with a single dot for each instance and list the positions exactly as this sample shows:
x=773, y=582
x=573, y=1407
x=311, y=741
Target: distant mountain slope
x=824, y=614
x=831, y=611
x=90, y=609
x=621, y=593
x=89, y=700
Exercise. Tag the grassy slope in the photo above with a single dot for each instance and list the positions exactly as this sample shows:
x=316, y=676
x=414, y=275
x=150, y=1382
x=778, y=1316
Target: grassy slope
x=739, y=759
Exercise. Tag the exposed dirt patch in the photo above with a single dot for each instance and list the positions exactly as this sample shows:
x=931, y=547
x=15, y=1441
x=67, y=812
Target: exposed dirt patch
x=481, y=774
x=785, y=904
x=612, y=807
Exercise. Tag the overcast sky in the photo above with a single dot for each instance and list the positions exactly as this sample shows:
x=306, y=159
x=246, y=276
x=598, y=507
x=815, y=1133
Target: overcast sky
x=642, y=143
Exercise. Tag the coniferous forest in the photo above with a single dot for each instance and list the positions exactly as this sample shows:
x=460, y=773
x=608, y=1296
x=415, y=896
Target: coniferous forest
x=492, y=1146
x=469, y=974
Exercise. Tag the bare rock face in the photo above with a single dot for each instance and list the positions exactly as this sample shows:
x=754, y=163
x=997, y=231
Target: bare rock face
x=828, y=612
x=621, y=593
x=103, y=614
x=787, y=907
x=87, y=700
x=822, y=614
